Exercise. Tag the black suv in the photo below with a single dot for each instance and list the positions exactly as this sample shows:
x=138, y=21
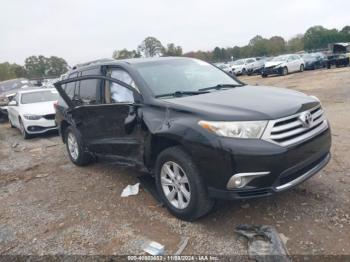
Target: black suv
x=201, y=132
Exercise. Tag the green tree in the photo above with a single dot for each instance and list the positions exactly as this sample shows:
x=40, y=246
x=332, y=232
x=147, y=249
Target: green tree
x=276, y=45
x=41, y=66
x=296, y=43
x=11, y=71
x=172, y=50
x=150, y=47
x=125, y=54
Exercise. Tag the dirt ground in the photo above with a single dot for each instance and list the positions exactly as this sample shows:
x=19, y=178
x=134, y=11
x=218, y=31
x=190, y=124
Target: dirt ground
x=50, y=206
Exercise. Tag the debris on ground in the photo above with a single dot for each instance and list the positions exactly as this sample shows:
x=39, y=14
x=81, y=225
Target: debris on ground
x=153, y=248
x=41, y=175
x=130, y=190
x=264, y=243
x=14, y=145
x=182, y=245
x=35, y=150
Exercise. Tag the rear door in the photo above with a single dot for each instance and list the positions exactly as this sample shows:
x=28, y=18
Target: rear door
x=105, y=114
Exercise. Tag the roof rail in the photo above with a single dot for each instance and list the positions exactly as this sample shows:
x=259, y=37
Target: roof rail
x=98, y=61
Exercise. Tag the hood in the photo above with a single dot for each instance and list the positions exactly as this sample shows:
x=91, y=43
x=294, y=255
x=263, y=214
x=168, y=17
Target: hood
x=237, y=66
x=274, y=63
x=44, y=108
x=246, y=103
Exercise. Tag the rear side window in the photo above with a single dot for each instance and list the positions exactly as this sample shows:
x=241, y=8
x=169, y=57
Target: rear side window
x=70, y=87
x=88, y=91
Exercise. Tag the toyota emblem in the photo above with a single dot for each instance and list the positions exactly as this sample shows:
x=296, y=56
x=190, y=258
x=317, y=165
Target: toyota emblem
x=306, y=119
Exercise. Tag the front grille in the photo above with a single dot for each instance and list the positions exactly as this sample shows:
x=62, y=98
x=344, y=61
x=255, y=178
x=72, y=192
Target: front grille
x=49, y=117
x=290, y=130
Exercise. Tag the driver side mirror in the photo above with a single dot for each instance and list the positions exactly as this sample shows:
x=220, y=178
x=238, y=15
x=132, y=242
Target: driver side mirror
x=12, y=103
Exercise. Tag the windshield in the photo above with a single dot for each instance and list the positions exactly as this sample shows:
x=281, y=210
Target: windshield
x=181, y=75
x=280, y=58
x=238, y=62
x=39, y=96
x=308, y=56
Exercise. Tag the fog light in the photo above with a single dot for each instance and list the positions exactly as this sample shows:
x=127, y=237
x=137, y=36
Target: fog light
x=242, y=179
x=238, y=181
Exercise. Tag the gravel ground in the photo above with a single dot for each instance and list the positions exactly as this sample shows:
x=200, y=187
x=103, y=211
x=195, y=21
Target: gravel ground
x=50, y=206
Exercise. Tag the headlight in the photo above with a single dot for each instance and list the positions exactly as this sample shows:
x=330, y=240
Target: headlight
x=32, y=117
x=247, y=129
x=278, y=66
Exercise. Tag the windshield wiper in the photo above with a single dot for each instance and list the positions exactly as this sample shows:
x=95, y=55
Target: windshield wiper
x=182, y=93
x=219, y=86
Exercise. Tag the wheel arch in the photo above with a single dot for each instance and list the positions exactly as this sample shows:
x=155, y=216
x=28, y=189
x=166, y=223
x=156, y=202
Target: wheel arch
x=158, y=143
x=62, y=129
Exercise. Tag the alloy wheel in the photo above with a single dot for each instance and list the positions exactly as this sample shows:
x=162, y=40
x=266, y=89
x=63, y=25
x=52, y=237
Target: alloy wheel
x=175, y=185
x=73, y=146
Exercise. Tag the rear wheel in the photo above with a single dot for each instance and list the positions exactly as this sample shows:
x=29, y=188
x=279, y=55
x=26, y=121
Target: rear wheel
x=180, y=185
x=75, y=148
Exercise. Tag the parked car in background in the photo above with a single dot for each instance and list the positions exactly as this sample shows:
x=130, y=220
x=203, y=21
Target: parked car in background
x=283, y=65
x=239, y=67
x=8, y=89
x=202, y=133
x=32, y=111
x=338, y=60
x=225, y=67
x=314, y=60
x=255, y=65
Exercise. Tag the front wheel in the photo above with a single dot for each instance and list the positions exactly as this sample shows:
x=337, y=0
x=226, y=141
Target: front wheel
x=284, y=71
x=75, y=148
x=180, y=185
x=24, y=133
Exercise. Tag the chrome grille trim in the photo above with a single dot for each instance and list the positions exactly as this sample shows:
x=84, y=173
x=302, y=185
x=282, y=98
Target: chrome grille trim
x=289, y=130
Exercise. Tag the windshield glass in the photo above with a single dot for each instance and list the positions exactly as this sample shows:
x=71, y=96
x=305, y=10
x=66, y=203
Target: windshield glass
x=183, y=75
x=39, y=96
x=280, y=58
x=238, y=62
x=308, y=56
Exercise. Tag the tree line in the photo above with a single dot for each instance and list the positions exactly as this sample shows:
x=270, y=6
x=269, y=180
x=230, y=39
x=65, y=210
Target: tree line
x=34, y=67
x=315, y=38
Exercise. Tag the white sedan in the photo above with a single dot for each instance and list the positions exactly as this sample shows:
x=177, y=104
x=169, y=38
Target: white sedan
x=283, y=64
x=33, y=112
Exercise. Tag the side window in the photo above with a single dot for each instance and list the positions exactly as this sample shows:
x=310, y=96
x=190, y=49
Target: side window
x=116, y=93
x=87, y=91
x=70, y=87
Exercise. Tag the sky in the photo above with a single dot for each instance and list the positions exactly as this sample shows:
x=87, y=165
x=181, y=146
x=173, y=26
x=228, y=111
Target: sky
x=84, y=30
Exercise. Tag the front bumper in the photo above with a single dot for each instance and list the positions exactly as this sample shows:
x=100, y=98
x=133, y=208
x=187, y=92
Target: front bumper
x=40, y=126
x=272, y=70
x=287, y=166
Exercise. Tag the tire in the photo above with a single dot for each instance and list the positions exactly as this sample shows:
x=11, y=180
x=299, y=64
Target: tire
x=284, y=71
x=12, y=126
x=301, y=68
x=24, y=133
x=197, y=203
x=244, y=72
x=263, y=75
x=75, y=148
